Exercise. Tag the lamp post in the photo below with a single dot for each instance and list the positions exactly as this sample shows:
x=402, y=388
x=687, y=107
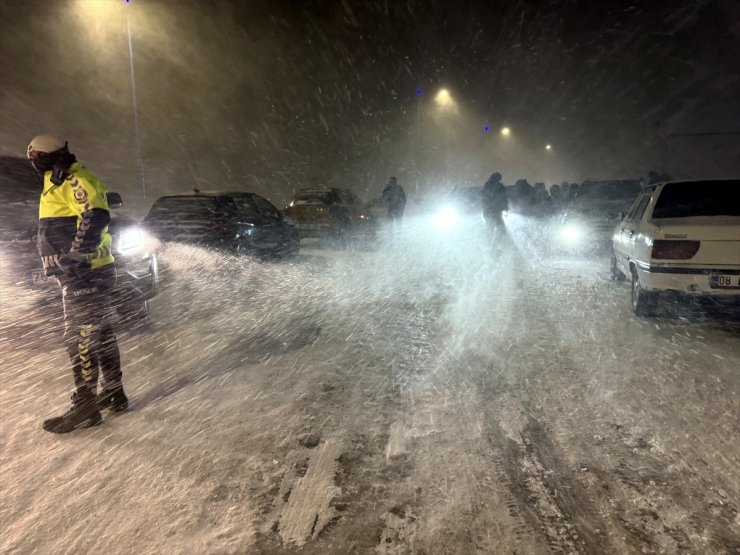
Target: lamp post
x=418, y=141
x=100, y=14
x=137, y=135
x=445, y=104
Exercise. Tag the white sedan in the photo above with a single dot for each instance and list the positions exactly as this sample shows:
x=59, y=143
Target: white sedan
x=680, y=237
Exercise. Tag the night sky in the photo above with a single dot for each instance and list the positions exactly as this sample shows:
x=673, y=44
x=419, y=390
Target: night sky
x=274, y=96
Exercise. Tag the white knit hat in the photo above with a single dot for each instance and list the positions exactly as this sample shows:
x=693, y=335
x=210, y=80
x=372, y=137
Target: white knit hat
x=44, y=143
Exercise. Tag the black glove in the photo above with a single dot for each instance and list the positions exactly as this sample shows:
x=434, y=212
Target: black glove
x=68, y=263
x=73, y=261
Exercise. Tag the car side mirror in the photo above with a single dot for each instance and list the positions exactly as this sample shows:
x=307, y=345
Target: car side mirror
x=114, y=200
x=620, y=216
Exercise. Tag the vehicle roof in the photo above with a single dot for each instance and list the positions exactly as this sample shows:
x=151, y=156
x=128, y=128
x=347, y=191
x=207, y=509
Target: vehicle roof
x=18, y=181
x=209, y=194
x=695, y=180
x=320, y=190
x=620, y=179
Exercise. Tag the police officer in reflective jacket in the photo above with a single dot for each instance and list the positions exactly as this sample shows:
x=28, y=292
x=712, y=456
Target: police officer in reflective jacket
x=75, y=247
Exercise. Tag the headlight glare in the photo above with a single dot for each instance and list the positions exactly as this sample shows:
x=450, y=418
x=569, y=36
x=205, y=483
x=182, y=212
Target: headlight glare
x=572, y=233
x=447, y=217
x=131, y=239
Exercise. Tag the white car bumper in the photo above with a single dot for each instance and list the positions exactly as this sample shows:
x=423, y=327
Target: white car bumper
x=691, y=281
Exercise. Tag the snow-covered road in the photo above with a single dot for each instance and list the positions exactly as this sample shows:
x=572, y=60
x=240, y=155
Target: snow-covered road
x=426, y=395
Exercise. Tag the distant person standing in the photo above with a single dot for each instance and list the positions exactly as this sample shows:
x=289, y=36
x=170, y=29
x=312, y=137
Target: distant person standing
x=495, y=203
x=556, y=199
x=395, y=199
x=572, y=192
x=75, y=247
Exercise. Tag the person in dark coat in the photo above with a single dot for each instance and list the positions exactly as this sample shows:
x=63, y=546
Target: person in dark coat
x=495, y=203
x=395, y=198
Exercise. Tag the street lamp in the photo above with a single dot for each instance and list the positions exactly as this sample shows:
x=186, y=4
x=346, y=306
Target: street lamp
x=444, y=99
x=548, y=147
x=505, y=131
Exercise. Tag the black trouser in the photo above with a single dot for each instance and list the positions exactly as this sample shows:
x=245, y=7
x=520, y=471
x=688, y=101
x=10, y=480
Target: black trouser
x=395, y=213
x=88, y=332
x=495, y=223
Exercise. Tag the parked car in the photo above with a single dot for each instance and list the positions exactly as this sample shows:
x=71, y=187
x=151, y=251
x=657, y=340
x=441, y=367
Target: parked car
x=377, y=210
x=136, y=266
x=680, y=238
x=237, y=222
x=325, y=212
x=587, y=224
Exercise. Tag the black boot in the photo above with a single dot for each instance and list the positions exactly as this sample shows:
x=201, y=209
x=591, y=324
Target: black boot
x=83, y=413
x=114, y=399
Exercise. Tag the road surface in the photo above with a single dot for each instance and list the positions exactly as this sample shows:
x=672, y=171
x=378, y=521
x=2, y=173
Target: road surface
x=427, y=394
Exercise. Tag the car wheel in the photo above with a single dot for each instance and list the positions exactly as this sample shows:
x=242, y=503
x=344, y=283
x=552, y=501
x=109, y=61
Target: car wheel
x=616, y=273
x=644, y=303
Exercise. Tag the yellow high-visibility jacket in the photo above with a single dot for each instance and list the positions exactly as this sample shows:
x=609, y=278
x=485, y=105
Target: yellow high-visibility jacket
x=73, y=219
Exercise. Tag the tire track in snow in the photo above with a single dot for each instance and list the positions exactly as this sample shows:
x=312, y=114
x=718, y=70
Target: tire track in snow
x=308, y=509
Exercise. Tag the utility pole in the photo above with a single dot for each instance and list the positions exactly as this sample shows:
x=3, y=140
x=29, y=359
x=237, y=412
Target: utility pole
x=137, y=135
x=418, y=141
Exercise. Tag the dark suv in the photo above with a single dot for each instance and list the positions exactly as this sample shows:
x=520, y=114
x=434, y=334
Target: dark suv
x=238, y=222
x=325, y=212
x=20, y=189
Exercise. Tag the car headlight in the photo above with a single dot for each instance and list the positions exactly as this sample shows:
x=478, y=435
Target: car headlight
x=572, y=233
x=447, y=217
x=131, y=240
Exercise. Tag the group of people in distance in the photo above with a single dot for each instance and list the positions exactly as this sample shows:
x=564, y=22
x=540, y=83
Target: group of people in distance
x=525, y=198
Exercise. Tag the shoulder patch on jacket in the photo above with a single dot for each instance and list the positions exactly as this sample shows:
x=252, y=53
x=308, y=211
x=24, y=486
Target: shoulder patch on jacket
x=80, y=194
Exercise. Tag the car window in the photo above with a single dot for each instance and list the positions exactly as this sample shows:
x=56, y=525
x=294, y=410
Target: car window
x=698, y=198
x=342, y=196
x=314, y=197
x=640, y=207
x=183, y=208
x=246, y=206
x=265, y=207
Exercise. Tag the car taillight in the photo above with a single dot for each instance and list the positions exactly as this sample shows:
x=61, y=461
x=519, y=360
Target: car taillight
x=674, y=250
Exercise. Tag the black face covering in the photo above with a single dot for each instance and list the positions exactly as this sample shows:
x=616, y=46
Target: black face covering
x=57, y=162
x=45, y=162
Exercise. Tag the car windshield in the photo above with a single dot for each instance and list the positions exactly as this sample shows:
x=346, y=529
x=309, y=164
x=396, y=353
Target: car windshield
x=698, y=198
x=246, y=206
x=315, y=197
x=183, y=208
